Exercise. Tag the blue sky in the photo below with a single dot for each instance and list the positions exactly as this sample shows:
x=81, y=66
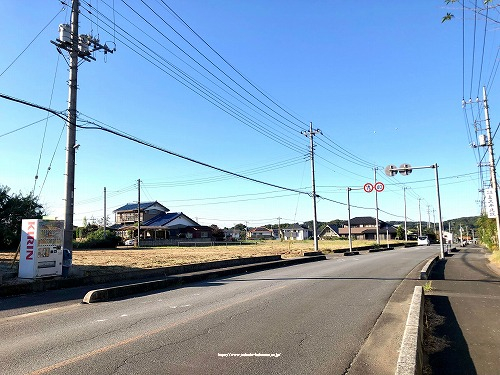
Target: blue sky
x=381, y=80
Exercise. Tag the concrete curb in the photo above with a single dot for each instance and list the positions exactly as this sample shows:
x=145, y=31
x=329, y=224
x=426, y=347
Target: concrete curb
x=426, y=271
x=100, y=295
x=351, y=253
x=410, y=361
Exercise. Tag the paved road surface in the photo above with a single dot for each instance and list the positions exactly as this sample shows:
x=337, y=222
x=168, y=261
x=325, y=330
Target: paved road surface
x=304, y=319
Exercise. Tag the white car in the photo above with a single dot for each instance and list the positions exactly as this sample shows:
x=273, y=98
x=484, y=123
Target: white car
x=423, y=241
x=129, y=242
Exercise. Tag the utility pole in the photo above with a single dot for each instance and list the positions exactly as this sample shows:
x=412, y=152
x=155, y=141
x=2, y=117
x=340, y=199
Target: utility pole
x=376, y=205
x=404, y=195
x=279, y=227
x=419, y=218
x=349, y=219
x=428, y=216
x=434, y=219
x=139, y=213
x=71, y=132
x=310, y=134
x=105, y=212
x=493, y=174
x=78, y=46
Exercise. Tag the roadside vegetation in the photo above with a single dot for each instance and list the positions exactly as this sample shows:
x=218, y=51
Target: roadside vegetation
x=487, y=235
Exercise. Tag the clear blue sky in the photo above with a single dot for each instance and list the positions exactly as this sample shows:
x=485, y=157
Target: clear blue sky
x=381, y=79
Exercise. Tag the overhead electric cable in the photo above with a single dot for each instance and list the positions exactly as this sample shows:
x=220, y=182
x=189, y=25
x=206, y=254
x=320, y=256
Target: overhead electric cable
x=30, y=43
x=206, y=69
x=150, y=145
x=205, y=92
x=45, y=128
x=25, y=126
x=231, y=66
x=482, y=53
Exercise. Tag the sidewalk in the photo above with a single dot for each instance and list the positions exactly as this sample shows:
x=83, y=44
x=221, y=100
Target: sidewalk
x=466, y=293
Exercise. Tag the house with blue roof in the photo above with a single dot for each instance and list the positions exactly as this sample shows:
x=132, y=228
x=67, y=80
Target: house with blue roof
x=129, y=213
x=157, y=223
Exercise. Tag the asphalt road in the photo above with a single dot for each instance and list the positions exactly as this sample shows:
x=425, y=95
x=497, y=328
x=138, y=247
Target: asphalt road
x=304, y=319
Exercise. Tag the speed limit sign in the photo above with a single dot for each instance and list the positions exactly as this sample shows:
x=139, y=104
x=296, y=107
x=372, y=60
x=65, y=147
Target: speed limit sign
x=368, y=187
x=379, y=186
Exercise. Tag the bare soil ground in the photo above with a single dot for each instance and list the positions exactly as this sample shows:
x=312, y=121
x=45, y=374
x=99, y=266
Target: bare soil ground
x=114, y=260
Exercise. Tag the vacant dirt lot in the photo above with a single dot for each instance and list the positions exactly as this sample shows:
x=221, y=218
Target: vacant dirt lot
x=115, y=260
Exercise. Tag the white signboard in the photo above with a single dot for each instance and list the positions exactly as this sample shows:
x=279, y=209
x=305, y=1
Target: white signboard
x=491, y=203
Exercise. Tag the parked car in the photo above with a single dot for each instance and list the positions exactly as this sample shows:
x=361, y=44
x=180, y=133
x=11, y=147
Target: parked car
x=423, y=241
x=129, y=242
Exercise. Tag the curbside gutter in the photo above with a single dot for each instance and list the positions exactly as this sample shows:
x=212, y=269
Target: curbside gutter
x=426, y=271
x=410, y=361
x=100, y=295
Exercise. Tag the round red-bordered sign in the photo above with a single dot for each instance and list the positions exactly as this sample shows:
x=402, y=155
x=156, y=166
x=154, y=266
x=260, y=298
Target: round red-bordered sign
x=368, y=187
x=379, y=186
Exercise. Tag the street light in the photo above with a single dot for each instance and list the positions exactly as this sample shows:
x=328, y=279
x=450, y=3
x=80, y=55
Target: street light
x=406, y=169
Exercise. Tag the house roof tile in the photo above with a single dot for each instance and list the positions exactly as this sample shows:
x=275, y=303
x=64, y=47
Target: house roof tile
x=133, y=206
x=162, y=219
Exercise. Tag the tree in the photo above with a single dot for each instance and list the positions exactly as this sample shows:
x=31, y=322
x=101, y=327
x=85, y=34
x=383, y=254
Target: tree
x=13, y=209
x=217, y=233
x=400, y=232
x=487, y=232
x=240, y=227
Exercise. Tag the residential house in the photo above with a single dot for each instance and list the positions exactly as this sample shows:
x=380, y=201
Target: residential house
x=197, y=232
x=329, y=232
x=295, y=232
x=128, y=213
x=232, y=234
x=260, y=233
x=365, y=228
x=157, y=223
x=167, y=225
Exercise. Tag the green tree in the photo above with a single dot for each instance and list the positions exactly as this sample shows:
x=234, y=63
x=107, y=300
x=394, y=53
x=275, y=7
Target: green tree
x=487, y=232
x=240, y=227
x=217, y=233
x=13, y=209
x=400, y=232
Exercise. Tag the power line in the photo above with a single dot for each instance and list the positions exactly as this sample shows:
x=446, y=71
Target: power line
x=203, y=91
x=30, y=43
x=230, y=65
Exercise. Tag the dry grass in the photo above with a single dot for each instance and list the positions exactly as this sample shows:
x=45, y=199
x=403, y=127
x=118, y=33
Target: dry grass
x=143, y=258
x=495, y=258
